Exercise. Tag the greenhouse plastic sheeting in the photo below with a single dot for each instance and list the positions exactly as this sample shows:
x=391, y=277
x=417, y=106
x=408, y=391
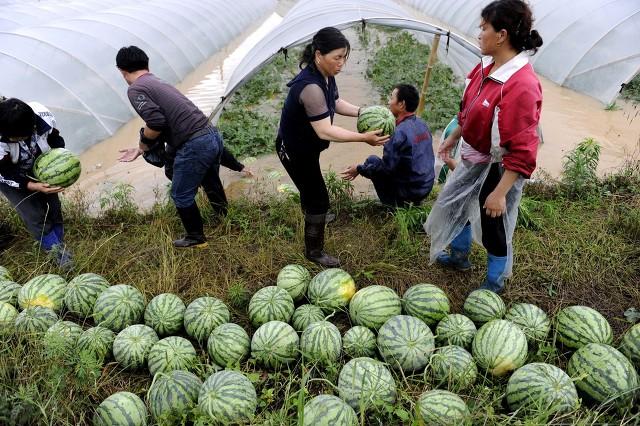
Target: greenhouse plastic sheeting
x=62, y=53
x=590, y=46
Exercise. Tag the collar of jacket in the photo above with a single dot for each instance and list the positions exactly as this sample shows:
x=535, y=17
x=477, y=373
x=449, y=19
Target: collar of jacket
x=404, y=116
x=504, y=73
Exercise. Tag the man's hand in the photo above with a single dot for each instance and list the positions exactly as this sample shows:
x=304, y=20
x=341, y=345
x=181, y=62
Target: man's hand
x=45, y=188
x=350, y=172
x=129, y=155
x=246, y=172
x=373, y=138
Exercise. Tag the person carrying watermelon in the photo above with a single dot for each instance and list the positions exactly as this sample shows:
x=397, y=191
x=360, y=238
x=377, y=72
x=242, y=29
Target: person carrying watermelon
x=26, y=131
x=498, y=120
x=404, y=175
x=306, y=127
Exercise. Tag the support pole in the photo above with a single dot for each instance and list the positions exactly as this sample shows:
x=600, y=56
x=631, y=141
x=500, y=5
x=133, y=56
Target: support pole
x=433, y=56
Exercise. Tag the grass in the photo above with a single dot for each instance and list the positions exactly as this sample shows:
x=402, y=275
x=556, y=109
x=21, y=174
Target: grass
x=631, y=90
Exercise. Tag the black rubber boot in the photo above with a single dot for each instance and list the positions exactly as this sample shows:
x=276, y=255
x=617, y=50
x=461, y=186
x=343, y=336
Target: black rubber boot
x=192, y=222
x=314, y=241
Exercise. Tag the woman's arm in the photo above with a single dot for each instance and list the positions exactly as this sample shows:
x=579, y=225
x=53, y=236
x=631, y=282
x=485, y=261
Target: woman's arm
x=325, y=130
x=345, y=108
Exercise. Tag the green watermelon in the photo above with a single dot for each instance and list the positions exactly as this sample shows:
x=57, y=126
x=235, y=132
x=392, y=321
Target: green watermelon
x=9, y=292
x=331, y=289
x=453, y=367
x=228, y=397
x=500, y=347
x=426, y=302
x=5, y=274
x=359, y=342
x=203, y=315
x=172, y=353
x=270, y=304
x=44, y=290
x=132, y=345
x=630, y=345
x=228, y=344
x=172, y=396
x=328, y=410
x=295, y=280
x=121, y=409
x=57, y=167
x=165, y=314
x=365, y=382
x=533, y=321
x=63, y=335
x=274, y=344
x=376, y=117
x=8, y=316
x=96, y=341
x=541, y=388
x=405, y=343
x=321, y=342
x=440, y=407
x=455, y=329
x=373, y=305
x=305, y=315
x=118, y=307
x=36, y=319
x=483, y=306
x=82, y=293
x=577, y=326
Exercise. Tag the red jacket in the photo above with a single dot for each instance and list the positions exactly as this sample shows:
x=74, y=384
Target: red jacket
x=503, y=108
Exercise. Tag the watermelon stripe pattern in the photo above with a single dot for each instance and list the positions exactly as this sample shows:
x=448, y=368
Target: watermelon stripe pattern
x=453, y=367
x=456, y=329
x=483, y=306
x=132, y=345
x=405, y=343
x=500, y=347
x=331, y=289
x=295, y=280
x=165, y=314
x=533, y=321
x=321, y=342
x=426, y=302
x=275, y=344
x=203, y=315
x=44, y=290
x=97, y=341
x=328, y=410
x=172, y=353
x=9, y=292
x=82, y=293
x=172, y=396
x=118, y=307
x=121, y=409
x=5, y=274
x=374, y=118
x=228, y=344
x=372, y=306
x=439, y=407
x=62, y=335
x=364, y=382
x=33, y=320
x=8, y=314
x=577, y=326
x=57, y=167
x=359, y=342
x=228, y=397
x=630, y=345
x=270, y=304
x=305, y=315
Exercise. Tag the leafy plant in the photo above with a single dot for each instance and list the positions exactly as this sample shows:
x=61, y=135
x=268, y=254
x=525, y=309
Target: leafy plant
x=579, y=169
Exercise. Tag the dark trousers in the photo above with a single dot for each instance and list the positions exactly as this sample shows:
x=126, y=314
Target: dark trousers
x=39, y=212
x=391, y=195
x=494, y=239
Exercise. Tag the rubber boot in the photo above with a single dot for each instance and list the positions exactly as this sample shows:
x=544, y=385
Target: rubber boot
x=496, y=266
x=192, y=222
x=314, y=241
x=460, y=247
x=53, y=244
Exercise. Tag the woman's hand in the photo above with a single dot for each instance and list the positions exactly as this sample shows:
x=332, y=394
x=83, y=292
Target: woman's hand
x=495, y=205
x=373, y=138
x=444, y=151
x=129, y=155
x=45, y=188
x=246, y=172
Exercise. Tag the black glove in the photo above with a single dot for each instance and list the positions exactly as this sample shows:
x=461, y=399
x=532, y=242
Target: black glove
x=155, y=155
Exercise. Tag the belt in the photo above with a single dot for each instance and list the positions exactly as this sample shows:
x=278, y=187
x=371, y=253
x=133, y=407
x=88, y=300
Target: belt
x=202, y=131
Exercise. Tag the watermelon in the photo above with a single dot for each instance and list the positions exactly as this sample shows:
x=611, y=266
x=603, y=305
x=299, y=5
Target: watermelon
x=172, y=396
x=364, y=383
x=426, y=302
x=57, y=167
x=228, y=344
x=483, y=306
x=228, y=397
x=440, y=407
x=630, y=345
x=533, y=321
x=405, y=343
x=603, y=374
x=9, y=292
x=500, y=347
x=8, y=314
x=44, y=290
x=305, y=315
x=203, y=315
x=577, y=326
x=455, y=329
x=82, y=293
x=36, y=319
x=97, y=342
x=453, y=367
x=132, y=345
x=328, y=410
x=63, y=335
x=358, y=342
x=295, y=280
x=118, y=307
x=541, y=388
x=274, y=344
x=172, y=353
x=321, y=342
x=373, y=305
x=331, y=289
x=121, y=409
x=5, y=275
x=165, y=314
x=270, y=304
x=376, y=117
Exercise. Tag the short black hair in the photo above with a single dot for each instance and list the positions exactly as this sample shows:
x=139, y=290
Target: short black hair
x=408, y=94
x=132, y=59
x=17, y=119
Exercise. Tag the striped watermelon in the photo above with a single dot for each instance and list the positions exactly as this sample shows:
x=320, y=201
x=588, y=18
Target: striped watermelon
x=5, y=274
x=44, y=290
x=165, y=314
x=454, y=367
x=321, y=342
x=9, y=292
x=295, y=280
x=274, y=344
x=426, y=302
x=82, y=293
x=373, y=305
x=483, y=306
x=630, y=345
x=375, y=118
x=172, y=397
x=440, y=407
x=364, y=383
x=328, y=410
x=96, y=341
x=228, y=344
x=121, y=409
x=172, y=353
x=500, y=347
x=358, y=342
x=228, y=397
x=405, y=343
x=118, y=307
x=132, y=345
x=270, y=304
x=57, y=167
x=62, y=335
x=455, y=329
x=331, y=289
x=577, y=326
x=603, y=374
x=533, y=321
x=305, y=315
x=8, y=316
x=541, y=388
x=203, y=315
x=36, y=319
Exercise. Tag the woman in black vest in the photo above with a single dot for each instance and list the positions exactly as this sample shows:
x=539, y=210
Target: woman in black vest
x=306, y=127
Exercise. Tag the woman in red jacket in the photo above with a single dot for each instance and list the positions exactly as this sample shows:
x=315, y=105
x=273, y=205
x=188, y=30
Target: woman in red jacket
x=498, y=117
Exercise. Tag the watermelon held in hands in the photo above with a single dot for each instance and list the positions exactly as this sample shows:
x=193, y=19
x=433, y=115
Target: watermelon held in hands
x=57, y=167
x=376, y=117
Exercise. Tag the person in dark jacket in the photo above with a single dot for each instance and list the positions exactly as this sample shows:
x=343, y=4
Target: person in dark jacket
x=404, y=175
